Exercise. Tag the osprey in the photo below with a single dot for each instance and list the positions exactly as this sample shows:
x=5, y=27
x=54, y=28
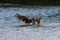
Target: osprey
x=25, y=19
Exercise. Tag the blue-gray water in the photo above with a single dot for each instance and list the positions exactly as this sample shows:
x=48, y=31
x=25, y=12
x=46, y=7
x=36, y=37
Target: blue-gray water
x=49, y=14
x=49, y=29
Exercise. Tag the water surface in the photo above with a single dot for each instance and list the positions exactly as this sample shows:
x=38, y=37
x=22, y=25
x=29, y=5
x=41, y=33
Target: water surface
x=49, y=29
